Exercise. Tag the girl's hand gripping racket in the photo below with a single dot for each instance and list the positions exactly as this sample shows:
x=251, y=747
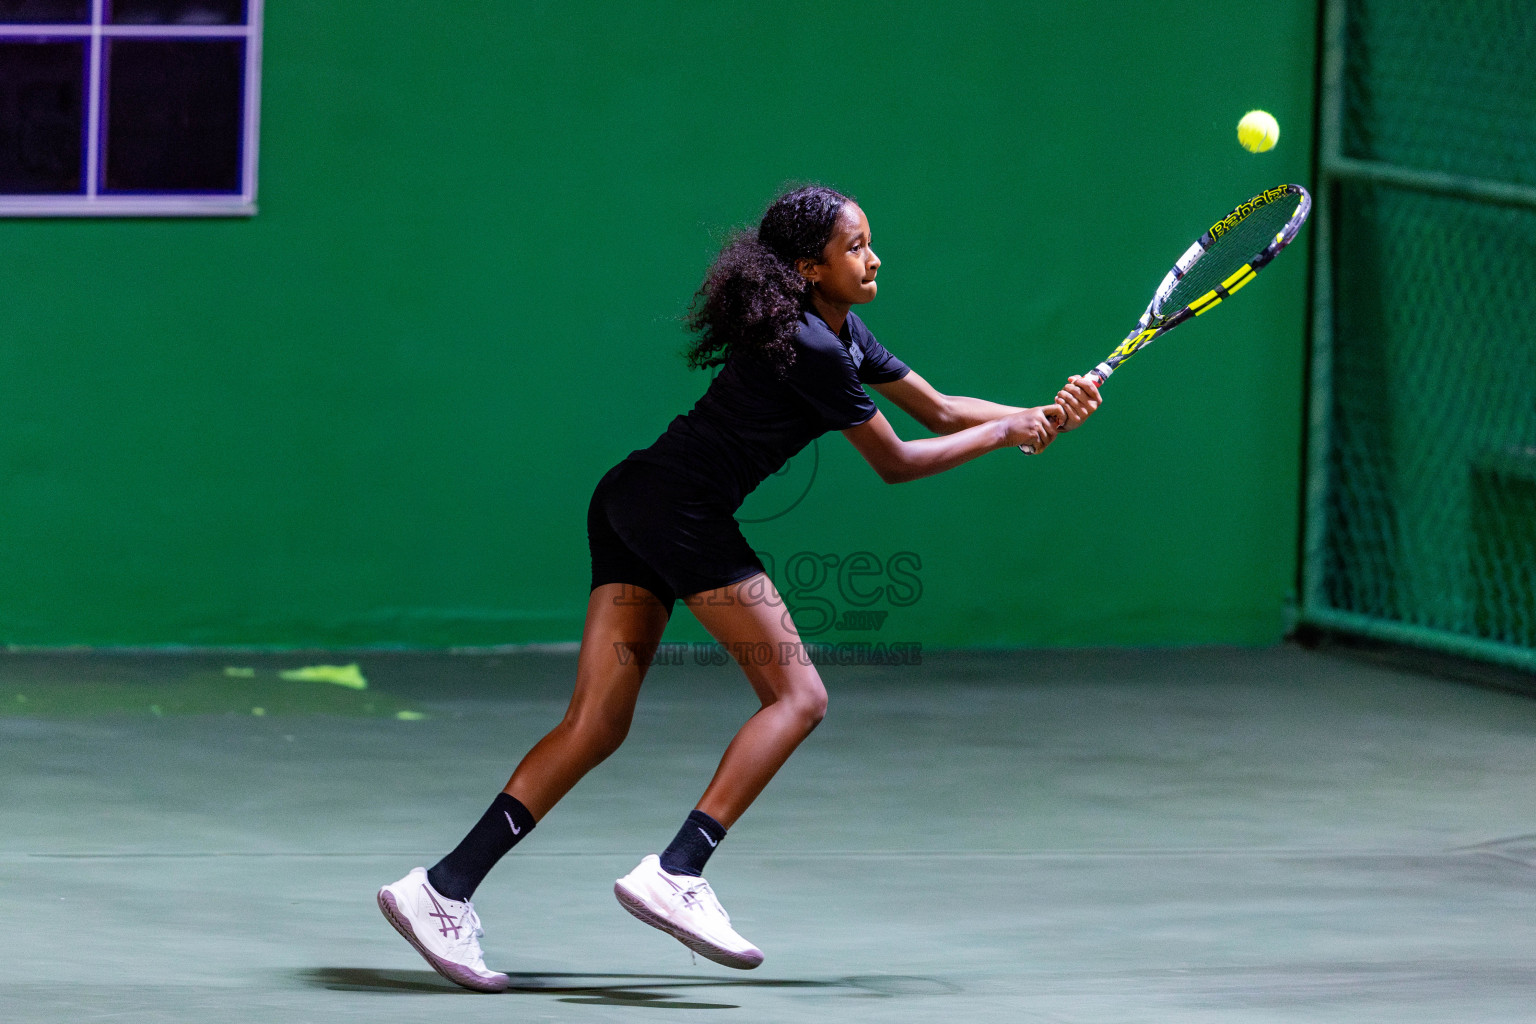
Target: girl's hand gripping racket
x=1224, y=259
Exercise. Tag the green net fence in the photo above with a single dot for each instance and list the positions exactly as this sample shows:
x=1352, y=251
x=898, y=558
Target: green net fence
x=1421, y=521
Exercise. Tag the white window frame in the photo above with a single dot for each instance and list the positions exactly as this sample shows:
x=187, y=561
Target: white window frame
x=90, y=203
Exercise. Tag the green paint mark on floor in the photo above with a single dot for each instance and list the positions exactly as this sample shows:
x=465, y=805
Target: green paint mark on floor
x=198, y=691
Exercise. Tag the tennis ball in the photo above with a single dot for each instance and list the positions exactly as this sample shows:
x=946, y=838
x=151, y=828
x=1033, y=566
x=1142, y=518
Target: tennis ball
x=1258, y=131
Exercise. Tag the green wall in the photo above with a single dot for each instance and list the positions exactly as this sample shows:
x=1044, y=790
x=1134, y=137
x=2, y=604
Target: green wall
x=373, y=414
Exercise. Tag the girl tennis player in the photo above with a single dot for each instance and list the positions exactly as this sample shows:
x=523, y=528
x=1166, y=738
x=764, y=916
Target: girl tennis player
x=774, y=315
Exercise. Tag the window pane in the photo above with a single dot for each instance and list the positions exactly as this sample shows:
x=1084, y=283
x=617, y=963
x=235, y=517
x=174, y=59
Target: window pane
x=176, y=12
x=42, y=89
x=174, y=115
x=44, y=12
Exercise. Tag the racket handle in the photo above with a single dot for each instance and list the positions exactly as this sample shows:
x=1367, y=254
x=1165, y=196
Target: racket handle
x=1099, y=374
x=1029, y=449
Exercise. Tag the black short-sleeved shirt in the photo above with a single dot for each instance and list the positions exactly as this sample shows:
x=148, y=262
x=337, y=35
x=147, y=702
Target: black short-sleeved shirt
x=750, y=422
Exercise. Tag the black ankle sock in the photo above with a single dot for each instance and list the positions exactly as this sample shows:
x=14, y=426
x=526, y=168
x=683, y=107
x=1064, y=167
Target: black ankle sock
x=695, y=841
x=499, y=829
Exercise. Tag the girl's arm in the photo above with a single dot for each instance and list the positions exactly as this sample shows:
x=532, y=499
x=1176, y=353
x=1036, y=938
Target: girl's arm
x=945, y=414
x=898, y=461
x=940, y=413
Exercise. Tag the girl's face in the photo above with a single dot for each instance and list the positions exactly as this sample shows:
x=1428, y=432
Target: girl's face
x=846, y=274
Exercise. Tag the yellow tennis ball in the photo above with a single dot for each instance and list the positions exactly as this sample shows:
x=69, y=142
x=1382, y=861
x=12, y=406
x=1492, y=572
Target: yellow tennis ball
x=1258, y=131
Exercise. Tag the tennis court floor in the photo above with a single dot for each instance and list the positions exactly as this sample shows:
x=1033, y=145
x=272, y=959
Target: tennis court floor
x=1216, y=836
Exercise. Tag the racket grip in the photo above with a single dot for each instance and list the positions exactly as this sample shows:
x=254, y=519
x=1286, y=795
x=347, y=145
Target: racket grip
x=1099, y=374
x=1029, y=449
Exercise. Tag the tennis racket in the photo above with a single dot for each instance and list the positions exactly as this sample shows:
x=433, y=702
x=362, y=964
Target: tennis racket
x=1224, y=259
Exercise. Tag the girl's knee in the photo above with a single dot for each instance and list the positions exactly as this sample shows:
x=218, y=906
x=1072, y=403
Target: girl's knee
x=818, y=710
x=809, y=699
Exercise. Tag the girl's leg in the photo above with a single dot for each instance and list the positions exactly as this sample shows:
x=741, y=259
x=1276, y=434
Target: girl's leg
x=624, y=625
x=752, y=622
x=431, y=909
x=668, y=892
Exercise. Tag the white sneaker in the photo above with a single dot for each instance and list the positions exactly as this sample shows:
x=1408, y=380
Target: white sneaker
x=445, y=932
x=685, y=907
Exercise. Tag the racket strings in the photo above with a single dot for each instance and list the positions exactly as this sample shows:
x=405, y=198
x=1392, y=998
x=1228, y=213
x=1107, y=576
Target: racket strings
x=1227, y=254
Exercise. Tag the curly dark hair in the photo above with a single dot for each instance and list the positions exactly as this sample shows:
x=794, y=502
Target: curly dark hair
x=752, y=296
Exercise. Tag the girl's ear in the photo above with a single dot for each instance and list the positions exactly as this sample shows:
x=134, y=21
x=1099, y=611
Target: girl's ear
x=806, y=267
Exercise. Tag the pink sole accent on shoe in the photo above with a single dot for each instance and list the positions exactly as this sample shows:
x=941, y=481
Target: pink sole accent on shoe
x=455, y=973
x=724, y=957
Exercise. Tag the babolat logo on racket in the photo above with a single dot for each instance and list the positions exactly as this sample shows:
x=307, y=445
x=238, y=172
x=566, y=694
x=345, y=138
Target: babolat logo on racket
x=1234, y=218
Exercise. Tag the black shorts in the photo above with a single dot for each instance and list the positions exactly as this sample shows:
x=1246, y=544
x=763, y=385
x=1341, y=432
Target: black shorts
x=652, y=528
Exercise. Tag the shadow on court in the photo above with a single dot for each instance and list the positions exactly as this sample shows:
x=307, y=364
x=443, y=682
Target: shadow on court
x=617, y=989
